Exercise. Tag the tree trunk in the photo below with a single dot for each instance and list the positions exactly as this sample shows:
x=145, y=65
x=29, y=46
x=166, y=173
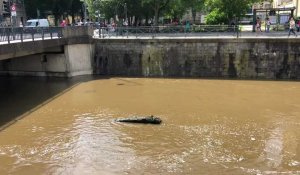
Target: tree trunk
x=156, y=15
x=56, y=18
x=73, y=12
x=194, y=15
x=147, y=19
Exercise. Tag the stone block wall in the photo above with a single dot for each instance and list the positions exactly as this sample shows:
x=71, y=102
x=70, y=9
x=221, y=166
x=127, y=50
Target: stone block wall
x=220, y=58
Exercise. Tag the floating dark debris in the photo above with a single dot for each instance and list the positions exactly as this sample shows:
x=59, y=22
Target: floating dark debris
x=143, y=120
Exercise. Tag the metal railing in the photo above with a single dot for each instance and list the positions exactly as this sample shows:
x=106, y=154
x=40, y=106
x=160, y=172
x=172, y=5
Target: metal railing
x=165, y=31
x=21, y=34
x=232, y=31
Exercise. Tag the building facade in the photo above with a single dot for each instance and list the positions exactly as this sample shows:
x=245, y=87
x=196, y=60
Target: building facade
x=288, y=4
x=262, y=5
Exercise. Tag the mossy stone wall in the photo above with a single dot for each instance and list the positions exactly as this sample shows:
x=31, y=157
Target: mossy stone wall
x=220, y=58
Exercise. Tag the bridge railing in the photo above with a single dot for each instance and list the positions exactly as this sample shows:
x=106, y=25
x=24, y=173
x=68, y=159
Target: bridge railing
x=21, y=34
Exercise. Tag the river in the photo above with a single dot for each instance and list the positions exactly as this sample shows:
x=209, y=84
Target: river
x=209, y=126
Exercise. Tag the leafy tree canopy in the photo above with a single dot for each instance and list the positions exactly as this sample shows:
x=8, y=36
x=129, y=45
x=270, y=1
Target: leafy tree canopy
x=56, y=7
x=219, y=11
x=223, y=11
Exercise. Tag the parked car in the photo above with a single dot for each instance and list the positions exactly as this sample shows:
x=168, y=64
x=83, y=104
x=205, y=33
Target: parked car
x=34, y=25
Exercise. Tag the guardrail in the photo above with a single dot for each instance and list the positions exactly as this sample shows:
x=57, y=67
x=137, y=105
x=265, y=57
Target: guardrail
x=157, y=31
x=21, y=34
x=232, y=31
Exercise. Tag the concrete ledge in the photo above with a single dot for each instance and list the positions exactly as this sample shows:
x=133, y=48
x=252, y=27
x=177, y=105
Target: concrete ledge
x=33, y=74
x=88, y=72
x=79, y=40
x=197, y=40
x=77, y=31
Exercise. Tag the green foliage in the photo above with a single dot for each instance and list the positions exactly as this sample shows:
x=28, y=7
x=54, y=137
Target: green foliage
x=223, y=11
x=194, y=5
x=110, y=8
x=216, y=16
x=174, y=9
x=157, y=6
x=140, y=9
x=57, y=7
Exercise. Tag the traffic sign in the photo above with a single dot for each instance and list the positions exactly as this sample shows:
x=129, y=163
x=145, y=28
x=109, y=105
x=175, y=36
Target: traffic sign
x=13, y=13
x=13, y=7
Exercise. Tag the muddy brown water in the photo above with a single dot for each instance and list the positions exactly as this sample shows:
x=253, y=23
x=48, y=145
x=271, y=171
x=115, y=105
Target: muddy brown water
x=209, y=127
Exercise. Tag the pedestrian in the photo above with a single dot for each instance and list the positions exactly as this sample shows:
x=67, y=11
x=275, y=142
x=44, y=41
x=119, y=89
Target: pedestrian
x=298, y=25
x=80, y=23
x=187, y=26
x=63, y=23
x=268, y=25
x=292, y=27
x=258, y=24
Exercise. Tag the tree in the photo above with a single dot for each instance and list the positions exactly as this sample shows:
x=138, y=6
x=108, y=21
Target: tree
x=32, y=6
x=112, y=8
x=57, y=7
x=176, y=9
x=140, y=9
x=223, y=11
x=195, y=6
x=76, y=8
x=157, y=6
x=109, y=8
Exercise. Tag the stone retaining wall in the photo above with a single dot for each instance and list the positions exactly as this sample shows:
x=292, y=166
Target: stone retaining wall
x=221, y=58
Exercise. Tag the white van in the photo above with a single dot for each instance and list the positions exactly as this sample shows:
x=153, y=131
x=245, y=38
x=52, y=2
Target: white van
x=37, y=23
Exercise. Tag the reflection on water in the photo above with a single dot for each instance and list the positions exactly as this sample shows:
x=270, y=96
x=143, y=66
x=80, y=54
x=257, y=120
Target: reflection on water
x=20, y=95
x=209, y=127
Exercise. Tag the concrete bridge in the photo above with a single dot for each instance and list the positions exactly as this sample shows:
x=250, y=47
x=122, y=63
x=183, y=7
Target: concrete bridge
x=78, y=53
x=66, y=56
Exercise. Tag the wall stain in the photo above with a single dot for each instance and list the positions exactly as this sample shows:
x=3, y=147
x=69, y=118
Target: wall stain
x=231, y=69
x=259, y=59
x=127, y=60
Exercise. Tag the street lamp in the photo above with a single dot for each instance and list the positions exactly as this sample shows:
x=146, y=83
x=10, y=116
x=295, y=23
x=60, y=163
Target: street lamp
x=98, y=15
x=97, y=12
x=84, y=6
x=125, y=9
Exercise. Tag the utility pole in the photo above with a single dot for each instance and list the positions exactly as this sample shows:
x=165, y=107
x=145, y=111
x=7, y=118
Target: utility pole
x=24, y=13
x=1, y=10
x=126, y=21
x=96, y=4
x=9, y=6
x=85, y=15
x=13, y=15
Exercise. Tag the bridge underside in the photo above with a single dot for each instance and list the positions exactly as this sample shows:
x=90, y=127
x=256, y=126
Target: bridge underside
x=41, y=60
x=15, y=50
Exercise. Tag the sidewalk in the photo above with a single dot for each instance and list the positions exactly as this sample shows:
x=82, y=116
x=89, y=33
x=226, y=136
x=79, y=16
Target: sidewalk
x=225, y=35
x=208, y=35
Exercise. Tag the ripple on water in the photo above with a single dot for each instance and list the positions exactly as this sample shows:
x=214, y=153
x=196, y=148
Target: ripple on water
x=95, y=141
